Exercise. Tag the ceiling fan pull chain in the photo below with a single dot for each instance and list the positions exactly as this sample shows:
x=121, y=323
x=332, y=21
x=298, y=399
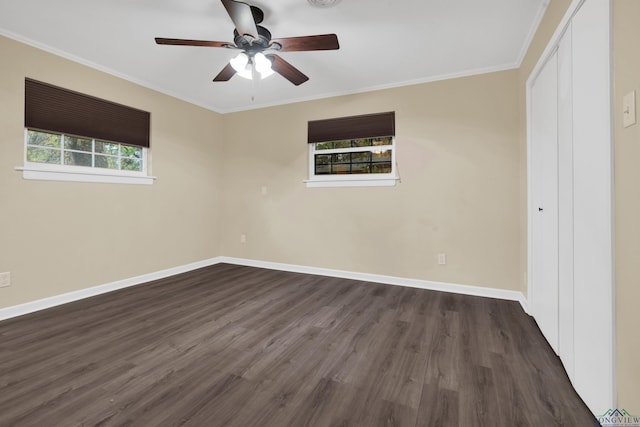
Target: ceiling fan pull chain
x=254, y=84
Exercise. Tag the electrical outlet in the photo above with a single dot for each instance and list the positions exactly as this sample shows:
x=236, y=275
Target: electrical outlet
x=442, y=259
x=5, y=279
x=243, y=238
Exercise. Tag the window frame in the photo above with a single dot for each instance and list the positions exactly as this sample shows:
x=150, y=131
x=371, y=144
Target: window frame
x=62, y=172
x=351, y=180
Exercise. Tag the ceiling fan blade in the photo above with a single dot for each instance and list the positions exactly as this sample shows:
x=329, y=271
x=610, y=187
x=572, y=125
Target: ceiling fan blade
x=305, y=43
x=226, y=73
x=184, y=42
x=242, y=17
x=287, y=70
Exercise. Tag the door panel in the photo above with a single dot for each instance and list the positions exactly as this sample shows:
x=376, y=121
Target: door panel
x=565, y=204
x=593, y=195
x=545, y=198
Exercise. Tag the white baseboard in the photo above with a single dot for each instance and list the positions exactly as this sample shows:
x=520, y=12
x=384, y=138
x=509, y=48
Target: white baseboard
x=41, y=304
x=389, y=280
x=30, y=307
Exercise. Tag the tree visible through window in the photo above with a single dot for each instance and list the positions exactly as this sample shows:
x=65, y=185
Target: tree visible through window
x=61, y=149
x=352, y=151
x=355, y=156
x=71, y=136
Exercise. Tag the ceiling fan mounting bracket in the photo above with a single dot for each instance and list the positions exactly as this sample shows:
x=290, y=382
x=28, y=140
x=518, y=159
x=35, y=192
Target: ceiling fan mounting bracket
x=258, y=14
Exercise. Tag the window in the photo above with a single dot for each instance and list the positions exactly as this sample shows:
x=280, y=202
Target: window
x=59, y=149
x=74, y=137
x=360, y=158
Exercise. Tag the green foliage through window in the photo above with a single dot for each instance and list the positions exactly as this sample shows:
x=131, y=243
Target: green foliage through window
x=356, y=156
x=53, y=148
x=362, y=142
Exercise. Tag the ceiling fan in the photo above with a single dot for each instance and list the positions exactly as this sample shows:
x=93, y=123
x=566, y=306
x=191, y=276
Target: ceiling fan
x=258, y=58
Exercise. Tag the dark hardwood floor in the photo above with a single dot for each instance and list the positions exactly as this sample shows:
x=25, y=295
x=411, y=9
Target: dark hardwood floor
x=239, y=346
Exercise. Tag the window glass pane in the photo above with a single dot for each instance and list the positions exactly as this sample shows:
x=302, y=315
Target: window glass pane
x=131, y=151
x=107, y=162
x=341, y=158
x=364, y=142
x=361, y=168
x=43, y=155
x=342, y=144
x=324, y=145
x=341, y=169
x=361, y=157
x=323, y=159
x=77, y=159
x=382, y=141
x=323, y=164
x=107, y=148
x=323, y=169
x=77, y=143
x=131, y=164
x=381, y=167
x=382, y=156
x=43, y=139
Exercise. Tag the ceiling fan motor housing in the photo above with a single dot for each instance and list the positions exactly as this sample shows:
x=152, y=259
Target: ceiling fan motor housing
x=250, y=44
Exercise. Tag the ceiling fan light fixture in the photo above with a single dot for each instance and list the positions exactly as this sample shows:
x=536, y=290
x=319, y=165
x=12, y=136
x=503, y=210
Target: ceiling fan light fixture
x=261, y=63
x=266, y=73
x=240, y=62
x=258, y=66
x=246, y=72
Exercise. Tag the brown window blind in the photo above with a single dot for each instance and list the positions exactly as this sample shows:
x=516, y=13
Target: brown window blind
x=51, y=108
x=353, y=127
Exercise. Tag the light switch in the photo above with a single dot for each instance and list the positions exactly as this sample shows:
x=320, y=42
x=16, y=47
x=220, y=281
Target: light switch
x=629, y=109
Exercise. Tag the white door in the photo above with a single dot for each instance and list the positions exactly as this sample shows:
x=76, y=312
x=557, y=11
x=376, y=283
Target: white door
x=565, y=204
x=592, y=205
x=570, y=180
x=544, y=139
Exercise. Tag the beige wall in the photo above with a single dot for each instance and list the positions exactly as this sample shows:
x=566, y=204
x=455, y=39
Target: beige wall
x=57, y=237
x=627, y=204
x=457, y=153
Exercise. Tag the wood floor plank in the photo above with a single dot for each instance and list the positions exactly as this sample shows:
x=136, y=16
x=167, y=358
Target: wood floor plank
x=439, y=407
x=238, y=346
x=445, y=361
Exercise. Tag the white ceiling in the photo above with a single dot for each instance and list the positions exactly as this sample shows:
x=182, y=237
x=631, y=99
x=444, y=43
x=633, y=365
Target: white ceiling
x=383, y=43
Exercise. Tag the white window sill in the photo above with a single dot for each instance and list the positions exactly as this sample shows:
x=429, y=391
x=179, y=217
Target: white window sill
x=50, y=174
x=342, y=182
